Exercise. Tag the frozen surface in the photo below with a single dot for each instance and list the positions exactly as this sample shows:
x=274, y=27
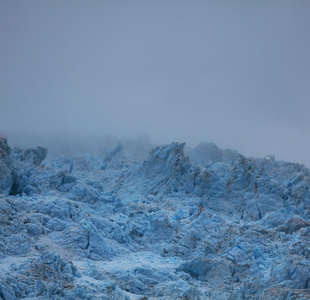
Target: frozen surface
x=128, y=224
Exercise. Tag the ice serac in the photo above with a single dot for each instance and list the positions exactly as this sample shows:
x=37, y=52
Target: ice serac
x=25, y=169
x=211, y=225
x=5, y=167
x=34, y=155
x=168, y=170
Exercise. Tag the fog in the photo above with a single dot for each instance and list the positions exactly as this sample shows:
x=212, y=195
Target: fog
x=235, y=73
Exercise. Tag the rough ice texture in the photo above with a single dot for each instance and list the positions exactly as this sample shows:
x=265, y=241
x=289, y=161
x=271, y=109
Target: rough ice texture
x=214, y=225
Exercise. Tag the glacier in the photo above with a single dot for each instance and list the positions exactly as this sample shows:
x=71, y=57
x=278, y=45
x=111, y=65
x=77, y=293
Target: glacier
x=169, y=223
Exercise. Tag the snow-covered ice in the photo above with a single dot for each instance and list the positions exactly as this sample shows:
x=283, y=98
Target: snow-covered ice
x=172, y=223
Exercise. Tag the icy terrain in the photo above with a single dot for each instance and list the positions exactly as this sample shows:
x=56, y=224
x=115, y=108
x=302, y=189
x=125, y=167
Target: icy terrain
x=211, y=224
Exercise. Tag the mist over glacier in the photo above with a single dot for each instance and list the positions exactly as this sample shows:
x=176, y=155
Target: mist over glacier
x=235, y=74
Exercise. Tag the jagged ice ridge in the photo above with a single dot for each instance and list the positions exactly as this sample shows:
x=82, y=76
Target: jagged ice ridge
x=209, y=224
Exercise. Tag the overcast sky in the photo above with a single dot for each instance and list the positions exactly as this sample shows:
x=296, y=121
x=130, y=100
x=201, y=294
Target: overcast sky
x=236, y=73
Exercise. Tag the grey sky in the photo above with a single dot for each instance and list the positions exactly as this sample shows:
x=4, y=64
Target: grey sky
x=232, y=72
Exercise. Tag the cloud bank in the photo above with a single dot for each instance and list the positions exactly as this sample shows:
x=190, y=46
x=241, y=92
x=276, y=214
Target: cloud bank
x=234, y=73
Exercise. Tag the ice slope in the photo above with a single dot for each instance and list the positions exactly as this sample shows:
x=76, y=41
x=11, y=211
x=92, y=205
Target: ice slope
x=211, y=225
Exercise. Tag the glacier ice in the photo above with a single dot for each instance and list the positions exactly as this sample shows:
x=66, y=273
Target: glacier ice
x=173, y=223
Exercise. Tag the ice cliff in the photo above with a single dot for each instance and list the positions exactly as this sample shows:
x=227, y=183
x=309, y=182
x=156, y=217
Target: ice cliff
x=208, y=224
